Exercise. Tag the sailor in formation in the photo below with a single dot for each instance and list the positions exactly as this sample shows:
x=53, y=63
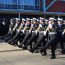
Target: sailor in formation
x=37, y=34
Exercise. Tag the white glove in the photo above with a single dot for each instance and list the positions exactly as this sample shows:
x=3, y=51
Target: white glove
x=45, y=33
x=36, y=32
x=17, y=30
x=29, y=31
x=10, y=29
x=23, y=31
x=62, y=33
x=40, y=25
x=50, y=26
x=13, y=29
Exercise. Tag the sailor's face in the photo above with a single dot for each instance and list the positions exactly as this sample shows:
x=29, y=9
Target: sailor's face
x=28, y=22
x=17, y=21
x=22, y=21
x=53, y=22
x=50, y=22
x=46, y=22
x=59, y=22
x=63, y=22
x=35, y=22
x=41, y=22
x=31, y=22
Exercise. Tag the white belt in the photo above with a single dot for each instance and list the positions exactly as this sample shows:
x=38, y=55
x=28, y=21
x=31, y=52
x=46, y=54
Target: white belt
x=52, y=33
x=27, y=30
x=23, y=31
x=41, y=32
x=35, y=32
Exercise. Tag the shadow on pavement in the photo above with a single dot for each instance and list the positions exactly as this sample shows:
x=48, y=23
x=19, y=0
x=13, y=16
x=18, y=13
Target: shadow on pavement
x=11, y=50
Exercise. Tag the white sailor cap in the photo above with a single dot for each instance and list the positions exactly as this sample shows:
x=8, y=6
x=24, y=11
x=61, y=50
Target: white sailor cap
x=41, y=18
x=34, y=19
x=59, y=19
x=46, y=20
x=31, y=19
x=28, y=19
x=51, y=18
x=38, y=20
x=17, y=19
x=23, y=19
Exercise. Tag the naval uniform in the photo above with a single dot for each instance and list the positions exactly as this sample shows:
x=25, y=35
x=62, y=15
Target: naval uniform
x=52, y=39
x=60, y=36
x=18, y=35
x=27, y=36
x=13, y=32
x=42, y=37
x=33, y=37
x=10, y=30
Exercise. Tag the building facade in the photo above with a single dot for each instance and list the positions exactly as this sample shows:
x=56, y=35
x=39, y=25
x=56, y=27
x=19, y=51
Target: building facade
x=20, y=5
x=21, y=8
x=55, y=7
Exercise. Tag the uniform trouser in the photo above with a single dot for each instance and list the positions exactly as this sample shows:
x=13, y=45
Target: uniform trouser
x=61, y=40
x=64, y=38
x=10, y=36
x=9, y=33
x=14, y=37
x=32, y=39
x=25, y=40
x=17, y=36
x=41, y=41
x=52, y=42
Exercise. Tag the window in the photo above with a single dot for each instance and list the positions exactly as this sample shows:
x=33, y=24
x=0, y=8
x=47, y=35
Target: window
x=14, y=1
x=8, y=1
x=2, y=1
x=29, y=2
x=37, y=2
x=21, y=2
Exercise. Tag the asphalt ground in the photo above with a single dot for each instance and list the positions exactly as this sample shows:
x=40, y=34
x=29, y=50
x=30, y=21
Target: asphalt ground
x=11, y=55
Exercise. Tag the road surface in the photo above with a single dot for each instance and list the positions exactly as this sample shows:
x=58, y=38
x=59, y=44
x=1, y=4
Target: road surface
x=10, y=55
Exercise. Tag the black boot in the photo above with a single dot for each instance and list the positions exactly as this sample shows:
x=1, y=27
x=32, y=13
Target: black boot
x=63, y=52
x=53, y=57
x=44, y=53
